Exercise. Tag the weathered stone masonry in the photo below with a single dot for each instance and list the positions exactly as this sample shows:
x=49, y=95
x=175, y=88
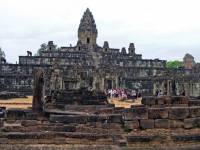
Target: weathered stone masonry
x=85, y=65
x=96, y=67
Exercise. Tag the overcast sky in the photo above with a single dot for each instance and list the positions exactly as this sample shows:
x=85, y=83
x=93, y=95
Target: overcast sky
x=165, y=29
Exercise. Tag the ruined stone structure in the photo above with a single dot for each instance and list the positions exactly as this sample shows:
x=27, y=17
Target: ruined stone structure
x=89, y=65
x=164, y=123
x=188, y=61
x=184, y=80
x=38, y=91
x=86, y=64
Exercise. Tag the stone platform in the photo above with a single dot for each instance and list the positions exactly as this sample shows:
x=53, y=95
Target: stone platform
x=102, y=127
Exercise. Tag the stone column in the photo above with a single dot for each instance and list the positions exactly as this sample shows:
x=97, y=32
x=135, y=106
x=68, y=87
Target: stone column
x=168, y=87
x=38, y=88
x=154, y=87
x=102, y=84
x=94, y=83
x=117, y=82
x=123, y=83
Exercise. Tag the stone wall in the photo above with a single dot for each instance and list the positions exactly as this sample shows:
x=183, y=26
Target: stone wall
x=168, y=117
x=163, y=112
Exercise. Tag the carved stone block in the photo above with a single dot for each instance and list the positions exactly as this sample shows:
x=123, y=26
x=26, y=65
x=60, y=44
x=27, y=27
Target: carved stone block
x=149, y=101
x=157, y=113
x=176, y=124
x=81, y=119
x=147, y=123
x=179, y=100
x=140, y=112
x=134, y=124
x=162, y=123
x=194, y=111
x=1, y=122
x=115, y=118
x=127, y=114
x=178, y=112
x=190, y=123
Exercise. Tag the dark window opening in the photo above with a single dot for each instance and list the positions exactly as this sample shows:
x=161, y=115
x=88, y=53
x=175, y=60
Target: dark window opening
x=88, y=40
x=106, y=50
x=79, y=48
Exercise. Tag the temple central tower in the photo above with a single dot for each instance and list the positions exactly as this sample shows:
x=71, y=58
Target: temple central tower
x=87, y=31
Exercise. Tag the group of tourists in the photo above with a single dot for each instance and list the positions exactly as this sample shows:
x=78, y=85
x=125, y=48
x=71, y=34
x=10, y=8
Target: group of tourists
x=123, y=93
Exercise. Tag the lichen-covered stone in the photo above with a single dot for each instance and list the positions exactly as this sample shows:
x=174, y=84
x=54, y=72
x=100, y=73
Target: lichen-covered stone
x=149, y=100
x=127, y=114
x=176, y=124
x=162, y=123
x=139, y=138
x=115, y=118
x=133, y=124
x=194, y=111
x=185, y=138
x=178, y=112
x=1, y=122
x=163, y=101
x=140, y=112
x=157, y=113
x=194, y=102
x=27, y=123
x=190, y=123
x=147, y=123
x=82, y=119
x=15, y=113
x=179, y=100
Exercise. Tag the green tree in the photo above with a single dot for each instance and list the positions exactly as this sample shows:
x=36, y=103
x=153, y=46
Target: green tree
x=43, y=47
x=174, y=64
x=2, y=54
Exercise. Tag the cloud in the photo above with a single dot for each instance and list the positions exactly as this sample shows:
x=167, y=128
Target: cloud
x=159, y=29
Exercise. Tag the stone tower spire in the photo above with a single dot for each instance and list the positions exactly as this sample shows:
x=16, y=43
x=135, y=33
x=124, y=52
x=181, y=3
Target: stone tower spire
x=87, y=31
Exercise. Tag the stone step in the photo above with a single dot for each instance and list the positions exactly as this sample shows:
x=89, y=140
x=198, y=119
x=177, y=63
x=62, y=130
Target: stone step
x=54, y=135
x=46, y=128
x=15, y=113
x=144, y=138
x=165, y=101
x=185, y=138
x=55, y=145
x=195, y=102
x=83, y=119
x=63, y=112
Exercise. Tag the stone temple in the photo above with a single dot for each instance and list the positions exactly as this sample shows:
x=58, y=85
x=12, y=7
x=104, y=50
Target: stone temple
x=69, y=112
x=97, y=67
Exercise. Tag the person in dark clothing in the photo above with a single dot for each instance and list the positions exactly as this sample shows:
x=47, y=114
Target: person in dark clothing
x=157, y=92
x=183, y=93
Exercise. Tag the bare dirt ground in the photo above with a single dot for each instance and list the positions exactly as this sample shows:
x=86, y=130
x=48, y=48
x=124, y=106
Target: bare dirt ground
x=124, y=103
x=23, y=103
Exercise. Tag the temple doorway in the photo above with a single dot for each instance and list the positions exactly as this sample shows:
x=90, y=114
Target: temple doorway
x=174, y=88
x=108, y=84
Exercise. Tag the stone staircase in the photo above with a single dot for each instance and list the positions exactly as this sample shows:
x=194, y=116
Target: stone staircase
x=91, y=127
x=20, y=128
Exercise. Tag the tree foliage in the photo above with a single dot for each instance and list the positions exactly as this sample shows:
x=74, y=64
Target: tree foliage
x=174, y=64
x=43, y=47
x=2, y=54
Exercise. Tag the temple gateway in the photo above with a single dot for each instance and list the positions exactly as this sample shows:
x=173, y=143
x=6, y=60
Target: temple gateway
x=98, y=67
